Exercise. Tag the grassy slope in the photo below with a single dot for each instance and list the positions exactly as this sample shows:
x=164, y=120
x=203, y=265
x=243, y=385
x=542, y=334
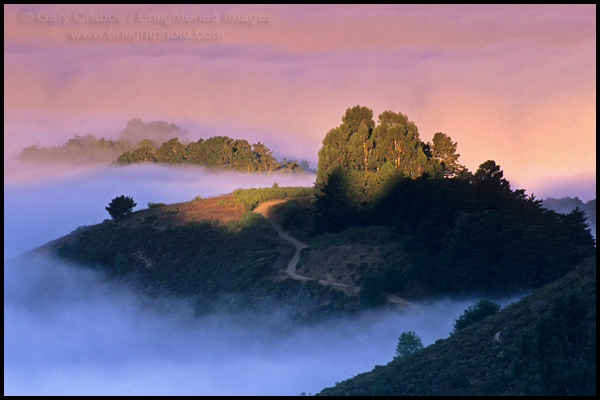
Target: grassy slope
x=471, y=362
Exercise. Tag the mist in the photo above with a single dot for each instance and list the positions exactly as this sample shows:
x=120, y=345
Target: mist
x=567, y=204
x=69, y=331
x=47, y=206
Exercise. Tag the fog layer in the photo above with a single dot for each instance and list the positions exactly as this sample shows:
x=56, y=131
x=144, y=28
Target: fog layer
x=69, y=331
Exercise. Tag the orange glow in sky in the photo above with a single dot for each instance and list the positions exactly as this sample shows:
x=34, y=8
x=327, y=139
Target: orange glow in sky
x=512, y=83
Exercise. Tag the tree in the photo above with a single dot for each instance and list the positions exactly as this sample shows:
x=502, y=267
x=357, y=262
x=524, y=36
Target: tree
x=264, y=159
x=553, y=357
x=120, y=207
x=358, y=115
x=333, y=204
x=171, y=151
x=408, y=343
x=142, y=154
x=349, y=145
x=397, y=141
x=443, y=150
x=489, y=175
x=195, y=153
x=291, y=216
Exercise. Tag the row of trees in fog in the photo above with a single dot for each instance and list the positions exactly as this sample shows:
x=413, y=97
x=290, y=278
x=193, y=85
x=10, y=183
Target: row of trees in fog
x=159, y=142
x=215, y=152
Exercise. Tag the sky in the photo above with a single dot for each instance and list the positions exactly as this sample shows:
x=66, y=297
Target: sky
x=512, y=83
x=516, y=84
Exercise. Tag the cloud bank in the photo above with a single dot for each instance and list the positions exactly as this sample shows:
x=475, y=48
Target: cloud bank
x=512, y=83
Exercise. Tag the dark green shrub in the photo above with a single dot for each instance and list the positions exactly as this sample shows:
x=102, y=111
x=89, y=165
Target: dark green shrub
x=120, y=207
x=476, y=313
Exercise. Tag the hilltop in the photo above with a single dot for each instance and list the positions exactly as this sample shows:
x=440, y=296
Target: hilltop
x=390, y=217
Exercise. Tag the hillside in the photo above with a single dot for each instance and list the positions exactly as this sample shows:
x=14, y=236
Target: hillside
x=544, y=344
x=222, y=255
x=434, y=226
x=205, y=250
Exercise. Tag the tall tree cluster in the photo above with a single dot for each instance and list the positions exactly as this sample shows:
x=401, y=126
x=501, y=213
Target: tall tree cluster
x=360, y=158
x=456, y=230
x=392, y=145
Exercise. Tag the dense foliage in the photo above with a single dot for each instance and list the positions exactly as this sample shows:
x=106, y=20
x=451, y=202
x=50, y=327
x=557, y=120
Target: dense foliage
x=88, y=149
x=158, y=142
x=567, y=204
x=476, y=313
x=249, y=198
x=555, y=356
x=229, y=267
x=463, y=235
x=290, y=215
x=545, y=344
x=360, y=145
x=371, y=292
x=214, y=152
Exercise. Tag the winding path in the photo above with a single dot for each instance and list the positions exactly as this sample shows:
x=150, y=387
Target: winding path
x=263, y=209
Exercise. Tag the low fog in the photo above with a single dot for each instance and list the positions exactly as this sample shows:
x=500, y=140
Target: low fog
x=69, y=331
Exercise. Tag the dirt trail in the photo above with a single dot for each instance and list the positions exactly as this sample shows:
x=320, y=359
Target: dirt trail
x=263, y=209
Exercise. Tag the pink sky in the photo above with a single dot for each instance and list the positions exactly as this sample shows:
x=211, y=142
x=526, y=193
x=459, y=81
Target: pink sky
x=516, y=84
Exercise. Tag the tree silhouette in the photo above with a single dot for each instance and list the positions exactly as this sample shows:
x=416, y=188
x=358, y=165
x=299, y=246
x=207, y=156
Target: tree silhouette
x=490, y=175
x=120, y=207
x=408, y=343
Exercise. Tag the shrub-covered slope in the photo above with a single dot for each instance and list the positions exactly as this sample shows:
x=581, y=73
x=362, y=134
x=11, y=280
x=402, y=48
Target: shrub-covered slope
x=544, y=344
x=234, y=265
